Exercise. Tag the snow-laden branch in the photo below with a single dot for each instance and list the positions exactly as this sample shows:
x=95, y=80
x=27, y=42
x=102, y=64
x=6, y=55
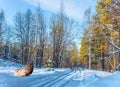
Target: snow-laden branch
x=114, y=45
x=114, y=52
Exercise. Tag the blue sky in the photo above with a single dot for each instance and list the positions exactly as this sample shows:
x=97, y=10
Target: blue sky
x=73, y=8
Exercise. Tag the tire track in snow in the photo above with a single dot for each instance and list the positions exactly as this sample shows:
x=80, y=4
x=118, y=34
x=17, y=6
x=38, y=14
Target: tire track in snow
x=65, y=83
x=69, y=78
x=57, y=80
x=39, y=79
x=80, y=80
x=51, y=79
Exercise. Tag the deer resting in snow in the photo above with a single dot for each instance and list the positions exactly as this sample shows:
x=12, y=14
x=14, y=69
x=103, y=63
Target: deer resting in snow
x=24, y=71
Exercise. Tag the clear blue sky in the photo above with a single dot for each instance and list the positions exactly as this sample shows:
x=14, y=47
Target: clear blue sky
x=73, y=8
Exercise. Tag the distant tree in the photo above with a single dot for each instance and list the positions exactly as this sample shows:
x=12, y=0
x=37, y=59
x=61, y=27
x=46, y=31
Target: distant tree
x=74, y=56
x=2, y=23
x=7, y=38
x=84, y=49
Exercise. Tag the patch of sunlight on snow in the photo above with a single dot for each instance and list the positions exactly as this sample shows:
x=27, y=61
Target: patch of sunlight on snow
x=38, y=71
x=103, y=74
x=62, y=69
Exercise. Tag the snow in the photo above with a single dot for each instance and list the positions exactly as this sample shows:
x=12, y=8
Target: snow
x=5, y=63
x=110, y=81
x=61, y=77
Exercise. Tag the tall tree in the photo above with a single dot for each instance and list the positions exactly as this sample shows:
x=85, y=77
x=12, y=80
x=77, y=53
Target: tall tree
x=61, y=35
x=28, y=27
x=108, y=22
x=19, y=27
x=23, y=24
x=89, y=26
x=40, y=37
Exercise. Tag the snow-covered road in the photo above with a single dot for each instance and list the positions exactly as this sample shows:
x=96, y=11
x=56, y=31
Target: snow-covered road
x=57, y=78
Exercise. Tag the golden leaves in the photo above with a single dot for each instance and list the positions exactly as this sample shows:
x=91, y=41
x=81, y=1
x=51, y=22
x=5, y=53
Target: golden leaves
x=105, y=18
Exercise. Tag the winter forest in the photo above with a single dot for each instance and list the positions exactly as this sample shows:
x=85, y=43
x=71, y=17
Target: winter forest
x=57, y=41
x=32, y=38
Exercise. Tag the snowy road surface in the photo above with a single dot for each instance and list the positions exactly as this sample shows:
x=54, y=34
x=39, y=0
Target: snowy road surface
x=57, y=78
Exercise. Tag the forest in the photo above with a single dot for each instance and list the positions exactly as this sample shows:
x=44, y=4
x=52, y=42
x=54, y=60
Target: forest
x=51, y=42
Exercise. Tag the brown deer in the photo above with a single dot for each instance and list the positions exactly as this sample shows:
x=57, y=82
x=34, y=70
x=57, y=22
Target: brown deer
x=24, y=71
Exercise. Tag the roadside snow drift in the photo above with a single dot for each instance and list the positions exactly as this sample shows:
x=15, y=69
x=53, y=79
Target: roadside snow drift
x=56, y=78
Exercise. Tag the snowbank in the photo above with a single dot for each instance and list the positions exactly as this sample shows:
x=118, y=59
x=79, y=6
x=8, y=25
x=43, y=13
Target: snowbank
x=112, y=80
x=5, y=63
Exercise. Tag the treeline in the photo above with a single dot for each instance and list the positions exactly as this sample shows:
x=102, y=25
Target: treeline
x=100, y=46
x=50, y=42
x=32, y=37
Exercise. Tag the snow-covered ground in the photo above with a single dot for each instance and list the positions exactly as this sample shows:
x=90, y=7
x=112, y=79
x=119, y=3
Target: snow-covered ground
x=57, y=78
